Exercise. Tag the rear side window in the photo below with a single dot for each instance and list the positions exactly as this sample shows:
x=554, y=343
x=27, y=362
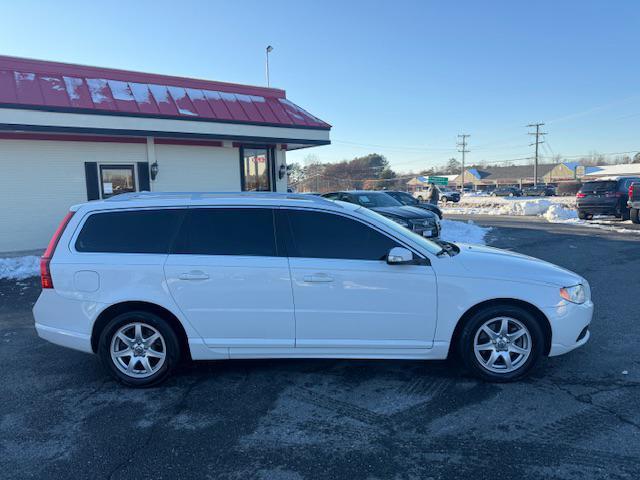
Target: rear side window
x=227, y=231
x=326, y=235
x=137, y=231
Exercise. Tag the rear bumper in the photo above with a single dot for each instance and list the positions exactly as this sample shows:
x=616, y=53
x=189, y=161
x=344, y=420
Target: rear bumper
x=604, y=208
x=64, y=321
x=569, y=326
x=65, y=338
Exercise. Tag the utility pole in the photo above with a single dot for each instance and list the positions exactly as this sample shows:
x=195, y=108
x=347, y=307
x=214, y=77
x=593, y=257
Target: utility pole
x=537, y=143
x=462, y=147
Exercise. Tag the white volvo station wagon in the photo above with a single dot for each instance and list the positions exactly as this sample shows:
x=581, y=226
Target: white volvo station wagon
x=144, y=280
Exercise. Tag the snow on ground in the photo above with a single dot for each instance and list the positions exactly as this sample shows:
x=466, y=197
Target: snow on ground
x=467, y=232
x=19, y=268
x=554, y=210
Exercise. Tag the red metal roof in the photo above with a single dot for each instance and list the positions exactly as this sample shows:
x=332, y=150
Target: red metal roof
x=78, y=88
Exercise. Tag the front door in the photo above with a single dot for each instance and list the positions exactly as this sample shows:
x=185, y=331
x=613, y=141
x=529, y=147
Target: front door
x=346, y=295
x=227, y=278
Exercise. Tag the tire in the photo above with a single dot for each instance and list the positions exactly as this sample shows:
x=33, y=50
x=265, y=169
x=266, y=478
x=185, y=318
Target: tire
x=589, y=216
x=531, y=344
x=626, y=213
x=634, y=215
x=445, y=199
x=582, y=215
x=145, y=370
x=511, y=194
x=420, y=199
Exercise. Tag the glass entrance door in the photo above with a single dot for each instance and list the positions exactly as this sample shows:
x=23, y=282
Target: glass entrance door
x=257, y=169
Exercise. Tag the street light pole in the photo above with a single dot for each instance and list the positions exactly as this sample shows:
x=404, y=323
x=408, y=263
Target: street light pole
x=268, y=50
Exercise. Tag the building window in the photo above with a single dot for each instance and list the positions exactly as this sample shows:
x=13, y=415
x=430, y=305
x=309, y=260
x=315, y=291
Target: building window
x=256, y=169
x=116, y=179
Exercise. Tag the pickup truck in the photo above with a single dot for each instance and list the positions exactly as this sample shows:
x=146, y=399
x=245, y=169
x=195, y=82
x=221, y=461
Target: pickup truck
x=634, y=202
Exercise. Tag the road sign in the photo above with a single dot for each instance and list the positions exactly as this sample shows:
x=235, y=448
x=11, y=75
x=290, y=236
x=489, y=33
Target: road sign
x=438, y=180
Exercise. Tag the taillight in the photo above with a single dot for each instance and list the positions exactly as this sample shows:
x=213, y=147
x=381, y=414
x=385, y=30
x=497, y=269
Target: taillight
x=580, y=195
x=45, y=260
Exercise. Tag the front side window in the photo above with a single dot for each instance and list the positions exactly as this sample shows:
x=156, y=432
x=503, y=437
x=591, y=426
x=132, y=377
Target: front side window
x=227, y=231
x=135, y=231
x=326, y=235
x=256, y=169
x=116, y=179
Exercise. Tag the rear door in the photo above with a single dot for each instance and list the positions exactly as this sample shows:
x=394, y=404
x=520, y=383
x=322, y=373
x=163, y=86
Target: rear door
x=226, y=275
x=346, y=295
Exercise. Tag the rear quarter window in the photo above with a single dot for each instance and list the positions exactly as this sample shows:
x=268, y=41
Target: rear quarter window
x=134, y=231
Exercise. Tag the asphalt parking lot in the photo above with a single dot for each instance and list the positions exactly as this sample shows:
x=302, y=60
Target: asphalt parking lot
x=576, y=417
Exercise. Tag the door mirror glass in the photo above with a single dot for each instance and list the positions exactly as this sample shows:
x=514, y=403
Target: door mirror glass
x=399, y=256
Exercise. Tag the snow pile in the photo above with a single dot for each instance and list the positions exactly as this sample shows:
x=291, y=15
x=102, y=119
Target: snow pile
x=558, y=213
x=467, y=232
x=525, y=207
x=19, y=268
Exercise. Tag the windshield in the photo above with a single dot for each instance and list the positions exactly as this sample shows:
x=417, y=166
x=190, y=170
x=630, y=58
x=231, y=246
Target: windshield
x=376, y=199
x=404, y=198
x=428, y=245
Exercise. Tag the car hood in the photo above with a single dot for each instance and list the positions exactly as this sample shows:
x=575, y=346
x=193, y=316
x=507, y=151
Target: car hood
x=405, y=212
x=496, y=263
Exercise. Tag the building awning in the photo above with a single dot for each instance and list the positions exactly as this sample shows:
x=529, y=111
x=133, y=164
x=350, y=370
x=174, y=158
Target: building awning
x=61, y=88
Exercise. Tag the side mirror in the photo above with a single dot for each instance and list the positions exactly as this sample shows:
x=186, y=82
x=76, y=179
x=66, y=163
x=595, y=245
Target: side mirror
x=399, y=256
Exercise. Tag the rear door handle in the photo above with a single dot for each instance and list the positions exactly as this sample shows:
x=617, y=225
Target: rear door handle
x=318, y=278
x=193, y=275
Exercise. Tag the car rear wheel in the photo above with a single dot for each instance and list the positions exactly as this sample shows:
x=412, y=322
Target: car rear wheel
x=582, y=215
x=445, y=199
x=140, y=349
x=501, y=343
x=420, y=199
x=634, y=215
x=626, y=213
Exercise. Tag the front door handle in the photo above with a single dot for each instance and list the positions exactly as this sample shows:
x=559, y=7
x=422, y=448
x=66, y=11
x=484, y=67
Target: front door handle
x=318, y=278
x=193, y=275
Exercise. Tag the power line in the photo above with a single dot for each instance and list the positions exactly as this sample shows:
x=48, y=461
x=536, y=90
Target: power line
x=462, y=147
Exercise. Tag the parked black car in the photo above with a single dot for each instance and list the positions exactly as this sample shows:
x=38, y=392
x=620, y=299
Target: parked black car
x=539, y=191
x=605, y=197
x=507, y=192
x=409, y=200
x=422, y=222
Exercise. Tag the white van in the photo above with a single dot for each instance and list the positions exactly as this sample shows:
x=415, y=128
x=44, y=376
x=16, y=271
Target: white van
x=146, y=279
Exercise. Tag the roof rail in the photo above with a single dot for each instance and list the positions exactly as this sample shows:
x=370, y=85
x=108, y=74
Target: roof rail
x=201, y=195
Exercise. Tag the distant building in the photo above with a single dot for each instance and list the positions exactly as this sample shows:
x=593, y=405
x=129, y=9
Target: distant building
x=613, y=170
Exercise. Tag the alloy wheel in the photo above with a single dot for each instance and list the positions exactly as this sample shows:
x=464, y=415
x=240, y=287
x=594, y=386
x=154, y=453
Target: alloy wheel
x=502, y=344
x=138, y=350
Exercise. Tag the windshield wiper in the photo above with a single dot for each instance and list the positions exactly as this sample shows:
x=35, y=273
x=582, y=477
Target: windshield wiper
x=447, y=247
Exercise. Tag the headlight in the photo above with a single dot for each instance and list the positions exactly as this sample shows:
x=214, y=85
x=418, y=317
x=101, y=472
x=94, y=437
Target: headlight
x=575, y=294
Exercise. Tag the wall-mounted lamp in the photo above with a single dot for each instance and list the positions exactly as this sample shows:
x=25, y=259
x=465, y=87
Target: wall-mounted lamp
x=154, y=170
x=284, y=170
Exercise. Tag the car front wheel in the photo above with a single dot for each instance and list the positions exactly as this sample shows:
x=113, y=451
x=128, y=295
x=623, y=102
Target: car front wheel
x=501, y=344
x=140, y=349
x=634, y=214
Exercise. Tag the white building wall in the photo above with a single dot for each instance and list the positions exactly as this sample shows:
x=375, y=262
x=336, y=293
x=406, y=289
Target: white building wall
x=40, y=180
x=196, y=168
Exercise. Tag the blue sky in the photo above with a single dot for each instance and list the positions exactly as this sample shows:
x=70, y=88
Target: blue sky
x=401, y=78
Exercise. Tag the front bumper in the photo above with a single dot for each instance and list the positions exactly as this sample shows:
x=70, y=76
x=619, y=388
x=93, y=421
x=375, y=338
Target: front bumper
x=569, y=326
